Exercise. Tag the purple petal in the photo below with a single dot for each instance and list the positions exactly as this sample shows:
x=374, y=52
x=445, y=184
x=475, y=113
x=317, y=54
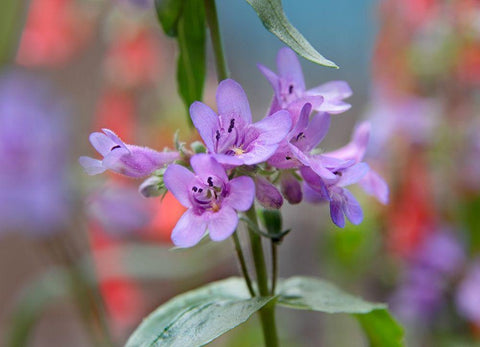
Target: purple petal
x=257, y=154
x=352, y=208
x=231, y=99
x=316, y=130
x=205, y=121
x=295, y=107
x=311, y=195
x=291, y=189
x=267, y=194
x=222, y=224
x=333, y=93
x=102, y=143
x=315, y=182
x=114, y=137
x=205, y=165
x=178, y=180
x=289, y=68
x=189, y=230
x=353, y=174
x=356, y=148
x=228, y=160
x=272, y=78
x=242, y=193
x=301, y=124
x=318, y=165
x=336, y=213
x=274, y=128
x=373, y=184
x=91, y=166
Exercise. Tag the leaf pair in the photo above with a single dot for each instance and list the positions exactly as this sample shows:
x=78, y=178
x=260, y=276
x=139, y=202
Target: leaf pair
x=201, y=315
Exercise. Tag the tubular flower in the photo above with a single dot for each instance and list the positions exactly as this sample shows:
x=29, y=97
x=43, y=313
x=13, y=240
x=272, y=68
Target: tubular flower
x=230, y=136
x=211, y=198
x=342, y=202
x=290, y=91
x=128, y=160
x=372, y=183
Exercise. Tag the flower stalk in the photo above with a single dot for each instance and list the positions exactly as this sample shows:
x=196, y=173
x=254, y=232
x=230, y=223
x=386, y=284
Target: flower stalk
x=215, y=35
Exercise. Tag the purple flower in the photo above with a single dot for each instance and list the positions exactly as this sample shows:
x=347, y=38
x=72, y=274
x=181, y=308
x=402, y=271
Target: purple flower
x=34, y=144
x=120, y=210
x=294, y=150
x=342, y=202
x=128, y=160
x=211, y=198
x=372, y=183
x=290, y=91
x=468, y=294
x=267, y=194
x=230, y=136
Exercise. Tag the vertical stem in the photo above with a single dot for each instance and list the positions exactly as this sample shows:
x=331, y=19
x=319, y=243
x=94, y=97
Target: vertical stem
x=274, y=266
x=243, y=265
x=212, y=20
x=267, y=313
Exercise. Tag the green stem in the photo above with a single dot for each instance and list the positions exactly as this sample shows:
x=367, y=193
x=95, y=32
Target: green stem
x=267, y=313
x=274, y=266
x=212, y=20
x=243, y=265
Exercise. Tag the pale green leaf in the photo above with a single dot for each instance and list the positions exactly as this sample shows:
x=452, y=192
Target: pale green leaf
x=313, y=294
x=274, y=19
x=198, y=316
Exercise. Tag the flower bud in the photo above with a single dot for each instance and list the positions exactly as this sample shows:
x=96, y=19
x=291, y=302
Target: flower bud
x=267, y=194
x=291, y=189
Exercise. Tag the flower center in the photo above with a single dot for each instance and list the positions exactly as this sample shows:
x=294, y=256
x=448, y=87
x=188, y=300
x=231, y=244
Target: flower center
x=208, y=195
x=238, y=150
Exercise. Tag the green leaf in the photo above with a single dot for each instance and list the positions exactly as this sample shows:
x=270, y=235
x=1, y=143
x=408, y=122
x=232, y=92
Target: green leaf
x=274, y=19
x=168, y=13
x=31, y=303
x=381, y=329
x=191, y=64
x=10, y=26
x=198, y=316
x=306, y=293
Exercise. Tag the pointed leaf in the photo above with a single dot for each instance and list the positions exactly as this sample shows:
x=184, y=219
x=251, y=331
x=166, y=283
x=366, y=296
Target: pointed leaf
x=274, y=19
x=31, y=303
x=199, y=316
x=168, y=13
x=191, y=64
x=313, y=294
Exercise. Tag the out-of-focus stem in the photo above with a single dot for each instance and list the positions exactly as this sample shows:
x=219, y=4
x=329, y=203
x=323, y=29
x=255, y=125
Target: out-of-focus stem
x=212, y=20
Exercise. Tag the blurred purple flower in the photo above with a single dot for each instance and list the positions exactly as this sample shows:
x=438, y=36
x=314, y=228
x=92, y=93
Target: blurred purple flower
x=290, y=91
x=231, y=137
x=468, y=294
x=120, y=210
x=34, y=143
x=128, y=160
x=211, y=198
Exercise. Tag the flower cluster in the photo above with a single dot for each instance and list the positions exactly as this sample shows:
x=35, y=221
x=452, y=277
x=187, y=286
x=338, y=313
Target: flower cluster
x=243, y=160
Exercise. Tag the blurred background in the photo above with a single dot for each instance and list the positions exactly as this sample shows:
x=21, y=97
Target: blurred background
x=70, y=67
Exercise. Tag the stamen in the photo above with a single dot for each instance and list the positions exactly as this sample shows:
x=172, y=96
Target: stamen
x=194, y=189
x=115, y=147
x=200, y=190
x=300, y=135
x=290, y=89
x=232, y=125
x=217, y=135
x=210, y=181
x=288, y=158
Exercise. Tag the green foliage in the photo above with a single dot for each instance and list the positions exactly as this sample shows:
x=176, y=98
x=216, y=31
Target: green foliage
x=274, y=19
x=381, y=329
x=191, y=64
x=469, y=215
x=32, y=302
x=168, y=13
x=199, y=316
x=306, y=293
x=10, y=19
